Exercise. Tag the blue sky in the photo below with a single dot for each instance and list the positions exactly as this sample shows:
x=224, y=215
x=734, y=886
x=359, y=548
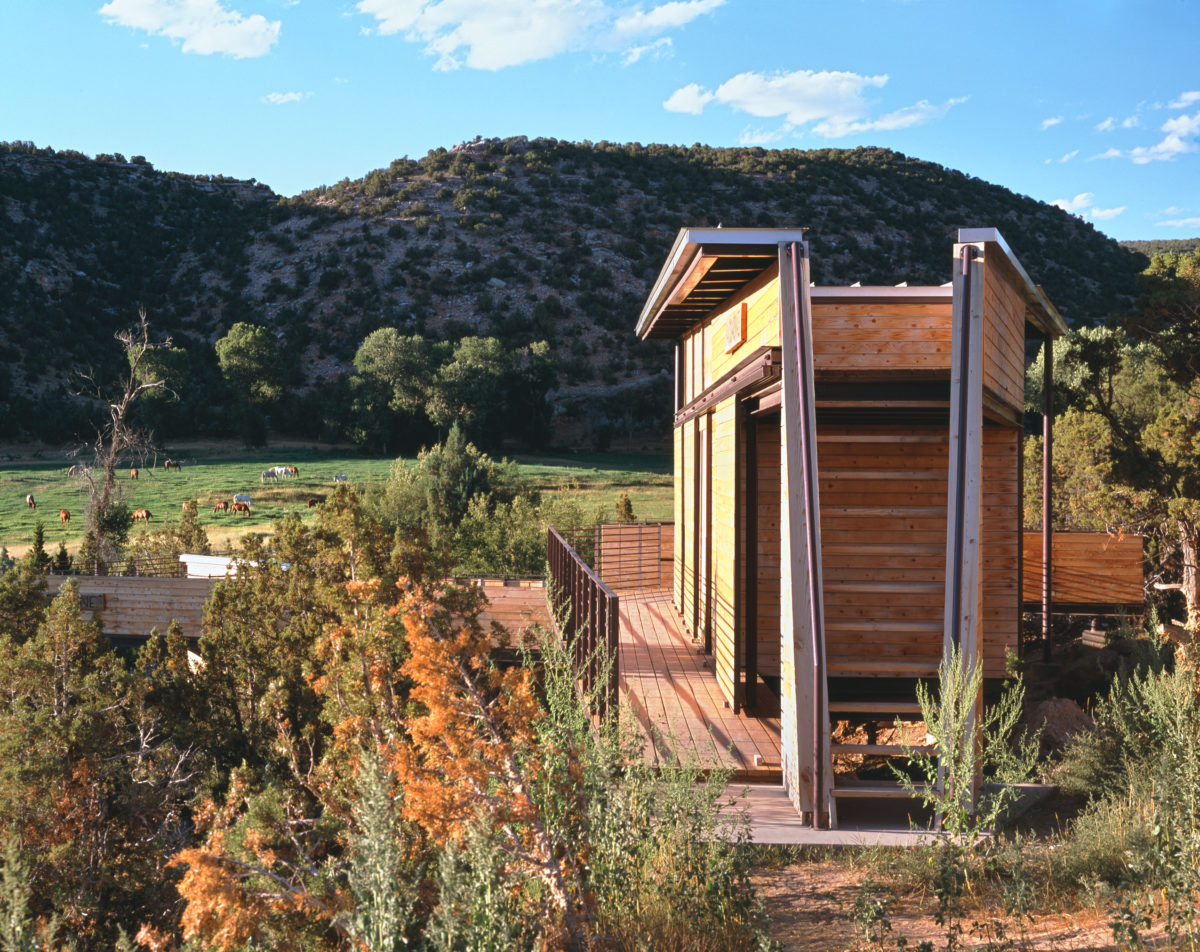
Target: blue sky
x=1092, y=105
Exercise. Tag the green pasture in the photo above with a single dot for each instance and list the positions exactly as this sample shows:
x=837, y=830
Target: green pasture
x=217, y=473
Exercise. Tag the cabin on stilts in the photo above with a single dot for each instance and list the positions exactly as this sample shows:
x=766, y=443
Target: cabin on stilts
x=848, y=480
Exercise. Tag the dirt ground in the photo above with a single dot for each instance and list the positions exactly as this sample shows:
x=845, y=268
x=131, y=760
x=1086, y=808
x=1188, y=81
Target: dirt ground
x=810, y=908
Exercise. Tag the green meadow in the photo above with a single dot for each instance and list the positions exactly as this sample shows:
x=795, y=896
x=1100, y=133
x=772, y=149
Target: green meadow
x=215, y=472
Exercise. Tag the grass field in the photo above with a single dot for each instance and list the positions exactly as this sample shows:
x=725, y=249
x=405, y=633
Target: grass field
x=217, y=471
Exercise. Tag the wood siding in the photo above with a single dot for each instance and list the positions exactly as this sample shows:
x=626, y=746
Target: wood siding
x=1090, y=568
x=885, y=339
x=131, y=607
x=1003, y=337
x=726, y=630
x=635, y=557
x=768, y=517
x=883, y=528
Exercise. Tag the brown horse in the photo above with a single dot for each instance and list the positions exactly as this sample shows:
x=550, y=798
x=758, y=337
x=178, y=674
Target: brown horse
x=65, y=518
x=169, y=464
x=29, y=501
x=141, y=515
x=220, y=506
x=242, y=507
x=315, y=501
x=133, y=473
x=188, y=507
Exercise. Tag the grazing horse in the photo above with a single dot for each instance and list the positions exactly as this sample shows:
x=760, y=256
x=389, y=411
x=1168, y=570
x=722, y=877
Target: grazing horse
x=268, y=474
x=189, y=507
x=242, y=507
x=133, y=473
x=141, y=515
x=65, y=518
x=29, y=501
x=170, y=464
x=293, y=471
x=220, y=506
x=314, y=502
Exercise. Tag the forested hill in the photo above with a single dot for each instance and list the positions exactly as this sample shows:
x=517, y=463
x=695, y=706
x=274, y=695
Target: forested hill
x=514, y=239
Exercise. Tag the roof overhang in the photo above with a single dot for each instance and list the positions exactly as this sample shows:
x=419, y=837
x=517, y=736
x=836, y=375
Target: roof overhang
x=1040, y=314
x=706, y=267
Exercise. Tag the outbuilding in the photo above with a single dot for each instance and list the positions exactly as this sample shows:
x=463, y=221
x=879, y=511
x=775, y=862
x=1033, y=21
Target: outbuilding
x=848, y=477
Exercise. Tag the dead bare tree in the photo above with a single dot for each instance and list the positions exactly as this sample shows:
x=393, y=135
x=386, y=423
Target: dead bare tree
x=118, y=438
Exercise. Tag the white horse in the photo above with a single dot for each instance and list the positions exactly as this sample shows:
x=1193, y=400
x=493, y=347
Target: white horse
x=268, y=474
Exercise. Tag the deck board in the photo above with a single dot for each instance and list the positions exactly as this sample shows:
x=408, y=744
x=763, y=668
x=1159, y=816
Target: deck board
x=671, y=688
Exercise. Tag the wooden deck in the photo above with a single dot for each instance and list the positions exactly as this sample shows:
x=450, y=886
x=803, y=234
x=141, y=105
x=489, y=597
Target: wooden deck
x=669, y=685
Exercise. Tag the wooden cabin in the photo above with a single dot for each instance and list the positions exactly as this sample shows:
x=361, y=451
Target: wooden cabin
x=836, y=448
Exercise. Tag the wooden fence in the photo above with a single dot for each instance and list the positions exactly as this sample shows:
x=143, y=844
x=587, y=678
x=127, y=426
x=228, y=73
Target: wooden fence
x=1090, y=571
x=587, y=616
x=635, y=557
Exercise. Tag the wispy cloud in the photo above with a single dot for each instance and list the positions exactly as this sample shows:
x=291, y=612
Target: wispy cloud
x=1084, y=205
x=1052, y=121
x=1186, y=99
x=1180, y=223
x=280, y=99
x=199, y=26
x=1181, y=133
x=834, y=101
x=656, y=50
x=1107, y=125
x=496, y=34
x=1069, y=156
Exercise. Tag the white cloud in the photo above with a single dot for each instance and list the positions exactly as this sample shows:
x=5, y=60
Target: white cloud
x=1186, y=99
x=1109, y=153
x=1069, y=156
x=1107, y=125
x=200, y=26
x=667, y=16
x=1053, y=121
x=495, y=34
x=1180, y=223
x=1181, y=132
x=1084, y=205
x=279, y=99
x=656, y=50
x=1130, y=122
x=835, y=101
x=691, y=98
x=1075, y=205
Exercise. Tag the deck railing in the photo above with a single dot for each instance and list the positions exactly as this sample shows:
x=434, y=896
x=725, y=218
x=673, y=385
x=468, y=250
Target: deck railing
x=587, y=616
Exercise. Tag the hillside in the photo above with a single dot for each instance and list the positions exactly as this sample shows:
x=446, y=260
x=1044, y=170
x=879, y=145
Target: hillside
x=517, y=239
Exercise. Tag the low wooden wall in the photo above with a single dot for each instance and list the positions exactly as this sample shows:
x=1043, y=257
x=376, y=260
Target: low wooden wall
x=1090, y=570
x=132, y=606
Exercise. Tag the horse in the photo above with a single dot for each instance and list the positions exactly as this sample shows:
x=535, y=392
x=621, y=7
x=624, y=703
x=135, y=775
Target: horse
x=220, y=506
x=341, y=478
x=314, y=502
x=188, y=507
x=133, y=473
x=242, y=507
x=268, y=474
x=279, y=471
x=29, y=501
x=141, y=515
x=293, y=471
x=170, y=464
x=65, y=518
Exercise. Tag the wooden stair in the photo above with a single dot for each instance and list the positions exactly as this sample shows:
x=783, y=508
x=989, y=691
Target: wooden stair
x=882, y=713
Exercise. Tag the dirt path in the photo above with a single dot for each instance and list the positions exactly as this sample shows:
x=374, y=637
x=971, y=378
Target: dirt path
x=810, y=906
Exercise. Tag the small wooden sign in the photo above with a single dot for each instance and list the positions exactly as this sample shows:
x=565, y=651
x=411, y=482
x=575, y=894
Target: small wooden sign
x=735, y=328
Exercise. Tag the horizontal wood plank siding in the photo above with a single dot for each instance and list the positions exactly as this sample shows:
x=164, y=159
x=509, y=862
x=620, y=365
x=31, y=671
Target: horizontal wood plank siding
x=1003, y=337
x=1001, y=618
x=858, y=338
x=1090, y=568
x=134, y=606
x=677, y=536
